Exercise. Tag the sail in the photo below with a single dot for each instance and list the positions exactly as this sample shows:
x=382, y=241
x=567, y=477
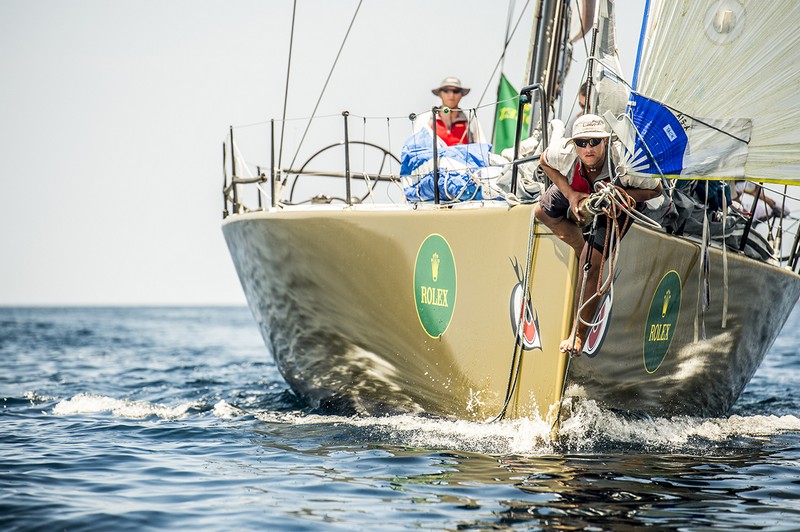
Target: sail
x=666, y=143
x=609, y=91
x=730, y=68
x=582, y=18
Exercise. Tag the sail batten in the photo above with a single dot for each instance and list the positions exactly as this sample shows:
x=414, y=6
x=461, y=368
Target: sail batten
x=730, y=59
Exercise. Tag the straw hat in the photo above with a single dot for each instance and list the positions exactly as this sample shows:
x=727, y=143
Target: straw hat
x=590, y=127
x=450, y=82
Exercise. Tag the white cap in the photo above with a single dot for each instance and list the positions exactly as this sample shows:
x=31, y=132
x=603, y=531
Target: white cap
x=590, y=127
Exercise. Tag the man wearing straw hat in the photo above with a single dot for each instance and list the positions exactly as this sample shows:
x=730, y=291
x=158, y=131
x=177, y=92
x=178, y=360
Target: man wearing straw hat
x=452, y=124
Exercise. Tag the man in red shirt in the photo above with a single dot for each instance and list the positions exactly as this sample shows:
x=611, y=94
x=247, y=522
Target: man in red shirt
x=453, y=126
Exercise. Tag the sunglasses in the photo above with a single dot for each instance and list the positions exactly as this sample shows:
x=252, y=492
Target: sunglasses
x=454, y=91
x=581, y=143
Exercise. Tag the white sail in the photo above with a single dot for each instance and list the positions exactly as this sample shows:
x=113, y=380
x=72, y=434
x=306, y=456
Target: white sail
x=610, y=91
x=730, y=60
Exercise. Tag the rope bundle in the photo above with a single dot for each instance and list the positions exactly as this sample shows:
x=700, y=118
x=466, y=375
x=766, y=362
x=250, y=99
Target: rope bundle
x=612, y=201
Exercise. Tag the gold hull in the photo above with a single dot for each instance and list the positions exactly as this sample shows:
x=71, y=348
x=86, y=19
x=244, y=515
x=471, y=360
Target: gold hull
x=692, y=364
x=387, y=309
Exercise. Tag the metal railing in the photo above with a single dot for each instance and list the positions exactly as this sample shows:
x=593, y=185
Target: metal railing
x=277, y=177
x=231, y=196
x=525, y=98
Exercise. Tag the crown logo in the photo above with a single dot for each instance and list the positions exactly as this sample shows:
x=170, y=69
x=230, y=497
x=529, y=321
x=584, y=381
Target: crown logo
x=435, y=266
x=667, y=297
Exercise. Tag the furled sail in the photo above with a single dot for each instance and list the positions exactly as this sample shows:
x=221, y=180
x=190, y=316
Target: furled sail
x=582, y=18
x=609, y=91
x=727, y=70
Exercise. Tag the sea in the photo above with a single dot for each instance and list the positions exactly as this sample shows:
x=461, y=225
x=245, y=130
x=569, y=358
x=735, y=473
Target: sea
x=177, y=419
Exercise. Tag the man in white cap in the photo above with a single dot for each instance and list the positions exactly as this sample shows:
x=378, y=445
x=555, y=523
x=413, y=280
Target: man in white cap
x=574, y=168
x=452, y=124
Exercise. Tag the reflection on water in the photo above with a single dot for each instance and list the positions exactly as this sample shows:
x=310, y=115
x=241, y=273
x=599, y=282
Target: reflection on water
x=606, y=471
x=631, y=489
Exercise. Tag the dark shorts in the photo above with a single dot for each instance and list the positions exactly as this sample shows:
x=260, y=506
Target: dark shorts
x=555, y=205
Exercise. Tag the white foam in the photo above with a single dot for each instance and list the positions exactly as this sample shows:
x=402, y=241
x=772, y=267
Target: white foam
x=589, y=425
x=518, y=436
x=586, y=428
x=34, y=397
x=225, y=410
x=95, y=404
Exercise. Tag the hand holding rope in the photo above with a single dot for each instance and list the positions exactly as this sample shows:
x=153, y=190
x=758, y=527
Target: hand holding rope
x=613, y=200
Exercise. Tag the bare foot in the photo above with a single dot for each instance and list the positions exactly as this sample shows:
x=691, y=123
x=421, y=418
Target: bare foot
x=566, y=346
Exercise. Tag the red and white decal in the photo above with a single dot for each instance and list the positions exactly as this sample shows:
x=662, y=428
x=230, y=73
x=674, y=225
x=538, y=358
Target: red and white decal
x=524, y=321
x=597, y=334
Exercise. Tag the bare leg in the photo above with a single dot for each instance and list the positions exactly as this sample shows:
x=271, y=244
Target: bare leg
x=573, y=236
x=562, y=228
x=579, y=329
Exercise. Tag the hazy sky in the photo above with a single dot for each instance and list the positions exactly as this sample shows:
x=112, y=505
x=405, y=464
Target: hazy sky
x=113, y=114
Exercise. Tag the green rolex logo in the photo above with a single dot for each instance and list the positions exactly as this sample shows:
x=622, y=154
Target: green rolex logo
x=661, y=320
x=435, y=285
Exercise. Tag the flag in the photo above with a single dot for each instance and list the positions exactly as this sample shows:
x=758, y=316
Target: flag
x=506, y=117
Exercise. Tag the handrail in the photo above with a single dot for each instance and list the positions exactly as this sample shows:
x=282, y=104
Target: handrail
x=348, y=178
x=435, y=176
x=249, y=180
x=793, y=254
x=231, y=196
x=230, y=191
x=322, y=173
x=224, y=184
x=525, y=97
x=233, y=175
x=272, y=176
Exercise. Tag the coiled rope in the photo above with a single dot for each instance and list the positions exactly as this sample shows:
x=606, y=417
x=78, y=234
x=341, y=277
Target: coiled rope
x=612, y=201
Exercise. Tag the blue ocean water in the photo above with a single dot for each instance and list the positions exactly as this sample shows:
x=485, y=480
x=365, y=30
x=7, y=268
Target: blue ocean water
x=176, y=418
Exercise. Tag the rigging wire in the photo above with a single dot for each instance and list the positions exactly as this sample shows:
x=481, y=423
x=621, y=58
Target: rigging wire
x=516, y=358
x=583, y=33
x=502, y=59
x=563, y=67
x=502, y=56
x=286, y=89
x=509, y=18
x=325, y=86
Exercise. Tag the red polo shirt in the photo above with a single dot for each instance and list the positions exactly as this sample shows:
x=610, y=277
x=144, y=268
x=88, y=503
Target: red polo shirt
x=458, y=133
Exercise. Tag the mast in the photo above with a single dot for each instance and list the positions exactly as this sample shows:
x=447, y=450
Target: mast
x=550, y=24
x=592, y=54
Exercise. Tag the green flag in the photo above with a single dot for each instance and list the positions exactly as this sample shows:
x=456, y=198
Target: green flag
x=506, y=117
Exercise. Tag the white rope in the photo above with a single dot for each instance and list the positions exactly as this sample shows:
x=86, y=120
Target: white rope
x=242, y=160
x=369, y=185
x=263, y=192
x=606, y=286
x=606, y=194
x=703, y=291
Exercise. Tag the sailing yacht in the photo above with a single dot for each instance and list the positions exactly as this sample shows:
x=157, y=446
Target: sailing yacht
x=456, y=308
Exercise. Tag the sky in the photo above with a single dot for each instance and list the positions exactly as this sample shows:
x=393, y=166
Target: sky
x=113, y=114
